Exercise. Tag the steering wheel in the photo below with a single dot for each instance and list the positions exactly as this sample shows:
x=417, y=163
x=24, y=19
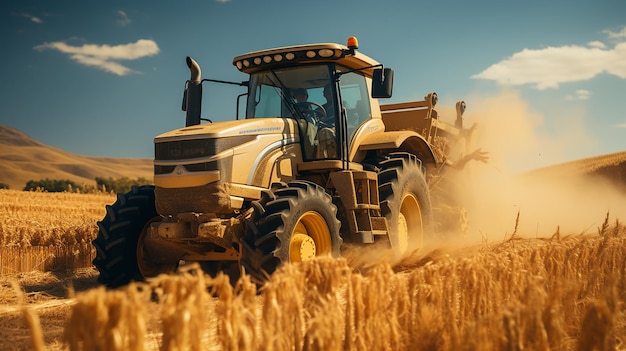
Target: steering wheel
x=306, y=108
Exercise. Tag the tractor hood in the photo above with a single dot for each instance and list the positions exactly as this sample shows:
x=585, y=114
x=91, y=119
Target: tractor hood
x=223, y=151
x=217, y=130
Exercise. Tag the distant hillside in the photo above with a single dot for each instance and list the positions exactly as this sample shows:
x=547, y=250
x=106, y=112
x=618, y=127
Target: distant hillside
x=609, y=166
x=23, y=158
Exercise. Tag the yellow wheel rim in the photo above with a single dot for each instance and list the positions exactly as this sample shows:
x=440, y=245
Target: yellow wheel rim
x=310, y=238
x=410, y=224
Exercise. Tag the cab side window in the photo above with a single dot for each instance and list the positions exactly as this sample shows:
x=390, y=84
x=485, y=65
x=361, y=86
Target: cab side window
x=355, y=100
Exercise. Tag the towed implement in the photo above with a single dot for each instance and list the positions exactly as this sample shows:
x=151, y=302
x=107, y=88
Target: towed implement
x=315, y=164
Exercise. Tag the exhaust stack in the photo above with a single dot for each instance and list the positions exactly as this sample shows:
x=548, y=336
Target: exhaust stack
x=192, y=98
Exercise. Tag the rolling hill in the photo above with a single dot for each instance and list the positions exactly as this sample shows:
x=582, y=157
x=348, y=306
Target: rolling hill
x=23, y=158
x=610, y=166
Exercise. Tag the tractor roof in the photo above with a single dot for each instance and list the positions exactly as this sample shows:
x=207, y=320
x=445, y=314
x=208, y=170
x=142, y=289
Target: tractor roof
x=304, y=54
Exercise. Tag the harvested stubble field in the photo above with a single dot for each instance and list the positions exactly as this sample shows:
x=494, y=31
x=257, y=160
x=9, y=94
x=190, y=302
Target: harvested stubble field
x=557, y=293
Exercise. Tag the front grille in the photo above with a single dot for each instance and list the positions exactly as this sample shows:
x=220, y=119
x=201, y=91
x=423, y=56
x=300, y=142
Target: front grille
x=202, y=167
x=196, y=167
x=189, y=149
x=163, y=169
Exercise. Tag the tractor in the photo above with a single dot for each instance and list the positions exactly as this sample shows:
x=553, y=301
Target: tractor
x=316, y=164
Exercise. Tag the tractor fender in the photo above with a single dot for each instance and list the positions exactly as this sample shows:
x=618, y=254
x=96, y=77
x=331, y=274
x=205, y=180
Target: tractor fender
x=403, y=140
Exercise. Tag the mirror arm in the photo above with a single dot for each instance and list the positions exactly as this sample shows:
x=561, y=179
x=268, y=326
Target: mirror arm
x=237, y=108
x=339, y=74
x=241, y=84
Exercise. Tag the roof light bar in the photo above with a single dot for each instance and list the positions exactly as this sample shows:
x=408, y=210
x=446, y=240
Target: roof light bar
x=304, y=55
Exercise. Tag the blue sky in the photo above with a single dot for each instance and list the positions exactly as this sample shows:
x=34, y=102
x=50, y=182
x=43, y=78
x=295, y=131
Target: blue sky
x=103, y=78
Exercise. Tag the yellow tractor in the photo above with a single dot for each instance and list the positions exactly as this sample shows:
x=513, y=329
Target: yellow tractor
x=315, y=164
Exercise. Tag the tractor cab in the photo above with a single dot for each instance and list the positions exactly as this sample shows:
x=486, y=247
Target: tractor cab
x=325, y=87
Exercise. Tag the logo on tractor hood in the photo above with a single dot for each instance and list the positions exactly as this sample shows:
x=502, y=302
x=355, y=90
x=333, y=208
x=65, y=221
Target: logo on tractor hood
x=260, y=130
x=179, y=170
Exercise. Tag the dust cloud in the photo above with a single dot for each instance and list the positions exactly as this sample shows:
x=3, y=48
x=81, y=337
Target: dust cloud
x=512, y=193
x=497, y=191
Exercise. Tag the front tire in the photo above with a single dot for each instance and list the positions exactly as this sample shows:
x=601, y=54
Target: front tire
x=120, y=256
x=404, y=201
x=294, y=223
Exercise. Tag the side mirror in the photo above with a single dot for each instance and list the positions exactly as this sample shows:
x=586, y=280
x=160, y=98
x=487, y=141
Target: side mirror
x=382, y=83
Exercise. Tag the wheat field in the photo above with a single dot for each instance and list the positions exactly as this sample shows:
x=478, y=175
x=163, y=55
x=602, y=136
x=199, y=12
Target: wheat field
x=562, y=292
x=48, y=231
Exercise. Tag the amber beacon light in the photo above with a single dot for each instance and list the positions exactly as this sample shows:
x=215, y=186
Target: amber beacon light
x=353, y=43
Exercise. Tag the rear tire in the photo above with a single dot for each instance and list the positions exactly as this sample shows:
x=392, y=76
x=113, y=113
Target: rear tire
x=119, y=251
x=404, y=201
x=296, y=222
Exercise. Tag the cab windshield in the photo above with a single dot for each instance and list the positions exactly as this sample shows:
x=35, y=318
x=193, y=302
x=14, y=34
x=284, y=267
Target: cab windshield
x=273, y=93
x=305, y=93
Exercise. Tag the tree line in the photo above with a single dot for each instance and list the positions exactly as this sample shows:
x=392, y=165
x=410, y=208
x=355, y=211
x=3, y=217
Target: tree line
x=119, y=185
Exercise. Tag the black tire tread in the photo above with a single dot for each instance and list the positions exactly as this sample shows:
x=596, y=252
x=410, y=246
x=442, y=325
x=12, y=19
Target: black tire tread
x=400, y=167
x=266, y=241
x=118, y=233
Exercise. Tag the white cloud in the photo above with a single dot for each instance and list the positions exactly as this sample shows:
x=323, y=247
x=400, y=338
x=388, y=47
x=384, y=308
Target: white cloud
x=580, y=94
x=596, y=44
x=623, y=125
x=105, y=56
x=32, y=18
x=109, y=66
x=615, y=35
x=124, y=20
x=551, y=66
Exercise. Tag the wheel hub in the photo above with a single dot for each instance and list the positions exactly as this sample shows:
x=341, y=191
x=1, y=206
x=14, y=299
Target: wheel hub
x=302, y=248
x=409, y=224
x=403, y=234
x=145, y=262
